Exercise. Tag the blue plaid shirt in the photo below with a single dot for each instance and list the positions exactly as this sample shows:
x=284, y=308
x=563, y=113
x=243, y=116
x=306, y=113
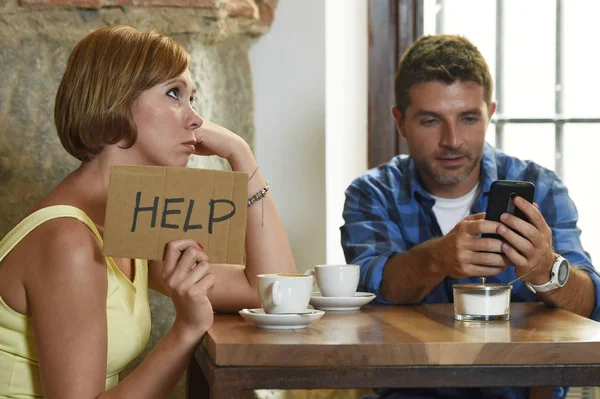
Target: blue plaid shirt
x=388, y=211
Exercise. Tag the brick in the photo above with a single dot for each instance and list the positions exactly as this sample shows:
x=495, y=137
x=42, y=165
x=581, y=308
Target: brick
x=266, y=12
x=242, y=8
x=261, y=10
x=117, y=3
x=73, y=3
x=213, y=4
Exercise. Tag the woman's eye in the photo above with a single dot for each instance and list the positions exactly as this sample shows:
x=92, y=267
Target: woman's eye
x=192, y=101
x=173, y=93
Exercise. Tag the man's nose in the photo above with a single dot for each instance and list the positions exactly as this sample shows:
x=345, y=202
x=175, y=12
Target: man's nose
x=450, y=136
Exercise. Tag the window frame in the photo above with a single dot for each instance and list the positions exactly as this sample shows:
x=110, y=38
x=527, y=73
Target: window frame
x=559, y=120
x=393, y=26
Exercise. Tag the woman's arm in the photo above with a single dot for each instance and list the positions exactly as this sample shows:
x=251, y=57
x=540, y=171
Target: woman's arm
x=267, y=247
x=66, y=290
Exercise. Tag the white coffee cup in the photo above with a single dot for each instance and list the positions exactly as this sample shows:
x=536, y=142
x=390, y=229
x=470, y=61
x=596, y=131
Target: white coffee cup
x=284, y=293
x=336, y=280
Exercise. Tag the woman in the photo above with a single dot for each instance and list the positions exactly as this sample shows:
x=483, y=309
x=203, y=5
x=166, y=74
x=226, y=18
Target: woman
x=71, y=318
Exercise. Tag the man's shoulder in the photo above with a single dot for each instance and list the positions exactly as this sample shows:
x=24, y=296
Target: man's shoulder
x=514, y=168
x=391, y=175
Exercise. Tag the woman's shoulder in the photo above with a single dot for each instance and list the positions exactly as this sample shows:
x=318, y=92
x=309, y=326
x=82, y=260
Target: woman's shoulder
x=60, y=228
x=66, y=238
x=68, y=266
x=61, y=246
x=50, y=257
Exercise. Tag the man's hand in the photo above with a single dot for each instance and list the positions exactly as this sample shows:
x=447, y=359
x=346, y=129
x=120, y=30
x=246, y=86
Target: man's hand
x=533, y=247
x=462, y=253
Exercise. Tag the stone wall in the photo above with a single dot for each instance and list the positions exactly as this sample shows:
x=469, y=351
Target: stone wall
x=36, y=37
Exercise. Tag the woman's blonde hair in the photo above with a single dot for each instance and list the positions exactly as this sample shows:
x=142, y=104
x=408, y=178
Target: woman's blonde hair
x=106, y=73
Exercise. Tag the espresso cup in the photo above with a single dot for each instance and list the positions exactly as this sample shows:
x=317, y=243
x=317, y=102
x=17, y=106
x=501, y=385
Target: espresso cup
x=336, y=280
x=284, y=293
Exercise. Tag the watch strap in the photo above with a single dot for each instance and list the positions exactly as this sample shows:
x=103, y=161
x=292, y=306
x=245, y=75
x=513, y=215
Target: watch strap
x=549, y=286
x=553, y=283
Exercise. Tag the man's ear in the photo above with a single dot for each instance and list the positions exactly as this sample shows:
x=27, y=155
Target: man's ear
x=491, y=109
x=399, y=121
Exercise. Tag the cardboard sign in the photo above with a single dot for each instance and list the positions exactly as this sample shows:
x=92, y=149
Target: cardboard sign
x=148, y=206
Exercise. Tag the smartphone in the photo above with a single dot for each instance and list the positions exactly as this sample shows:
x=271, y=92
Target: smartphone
x=502, y=200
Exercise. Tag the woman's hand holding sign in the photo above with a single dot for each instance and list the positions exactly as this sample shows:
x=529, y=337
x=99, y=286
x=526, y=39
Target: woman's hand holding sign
x=187, y=278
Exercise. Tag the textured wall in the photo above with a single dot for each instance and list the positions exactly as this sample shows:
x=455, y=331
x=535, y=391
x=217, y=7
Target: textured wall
x=36, y=37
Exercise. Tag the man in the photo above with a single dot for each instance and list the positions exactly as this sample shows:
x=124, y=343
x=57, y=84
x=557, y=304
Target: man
x=414, y=224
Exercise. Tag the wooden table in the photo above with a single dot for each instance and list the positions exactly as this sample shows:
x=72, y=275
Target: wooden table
x=399, y=346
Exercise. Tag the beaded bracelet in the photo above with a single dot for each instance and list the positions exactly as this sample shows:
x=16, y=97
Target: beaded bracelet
x=259, y=195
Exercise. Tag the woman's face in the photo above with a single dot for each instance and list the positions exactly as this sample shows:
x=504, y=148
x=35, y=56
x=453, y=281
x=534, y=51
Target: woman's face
x=166, y=122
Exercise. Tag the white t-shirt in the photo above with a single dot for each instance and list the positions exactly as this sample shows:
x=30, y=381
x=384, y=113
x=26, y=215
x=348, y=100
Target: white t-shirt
x=450, y=211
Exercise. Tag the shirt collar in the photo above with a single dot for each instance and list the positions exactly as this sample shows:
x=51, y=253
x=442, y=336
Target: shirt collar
x=489, y=168
x=415, y=190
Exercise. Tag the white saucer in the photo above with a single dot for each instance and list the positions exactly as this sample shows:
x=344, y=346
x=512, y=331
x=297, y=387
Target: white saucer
x=341, y=303
x=280, y=321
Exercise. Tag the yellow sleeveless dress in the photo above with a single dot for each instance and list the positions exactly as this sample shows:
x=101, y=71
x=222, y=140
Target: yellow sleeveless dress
x=127, y=310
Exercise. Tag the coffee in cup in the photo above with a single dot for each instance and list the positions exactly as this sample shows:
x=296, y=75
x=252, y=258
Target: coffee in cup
x=284, y=293
x=336, y=280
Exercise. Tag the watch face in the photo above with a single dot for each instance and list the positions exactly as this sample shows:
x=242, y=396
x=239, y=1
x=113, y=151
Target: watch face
x=563, y=272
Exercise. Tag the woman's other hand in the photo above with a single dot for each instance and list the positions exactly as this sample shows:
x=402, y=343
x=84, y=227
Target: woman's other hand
x=188, y=278
x=212, y=139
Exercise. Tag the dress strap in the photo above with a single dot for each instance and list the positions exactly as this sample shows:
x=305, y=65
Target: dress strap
x=41, y=216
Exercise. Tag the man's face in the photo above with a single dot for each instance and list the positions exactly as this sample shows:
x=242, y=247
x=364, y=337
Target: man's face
x=445, y=127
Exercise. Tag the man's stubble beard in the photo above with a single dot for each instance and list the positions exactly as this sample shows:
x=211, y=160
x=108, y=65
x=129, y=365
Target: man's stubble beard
x=448, y=180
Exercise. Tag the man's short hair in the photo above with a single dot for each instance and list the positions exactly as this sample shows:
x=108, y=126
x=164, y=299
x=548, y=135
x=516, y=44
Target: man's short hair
x=105, y=75
x=443, y=58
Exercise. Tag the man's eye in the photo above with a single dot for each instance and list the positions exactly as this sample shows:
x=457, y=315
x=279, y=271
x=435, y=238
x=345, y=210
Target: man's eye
x=428, y=122
x=173, y=93
x=469, y=120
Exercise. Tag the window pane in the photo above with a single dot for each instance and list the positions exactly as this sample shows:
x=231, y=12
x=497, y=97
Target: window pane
x=580, y=148
x=429, y=16
x=476, y=20
x=490, y=134
x=528, y=58
x=530, y=141
x=580, y=84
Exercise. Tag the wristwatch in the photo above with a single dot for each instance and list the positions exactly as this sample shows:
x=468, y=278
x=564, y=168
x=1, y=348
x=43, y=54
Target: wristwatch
x=558, y=276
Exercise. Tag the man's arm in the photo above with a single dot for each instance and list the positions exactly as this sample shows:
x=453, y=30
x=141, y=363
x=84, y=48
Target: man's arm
x=397, y=274
x=553, y=229
x=409, y=276
x=369, y=235
x=577, y=295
